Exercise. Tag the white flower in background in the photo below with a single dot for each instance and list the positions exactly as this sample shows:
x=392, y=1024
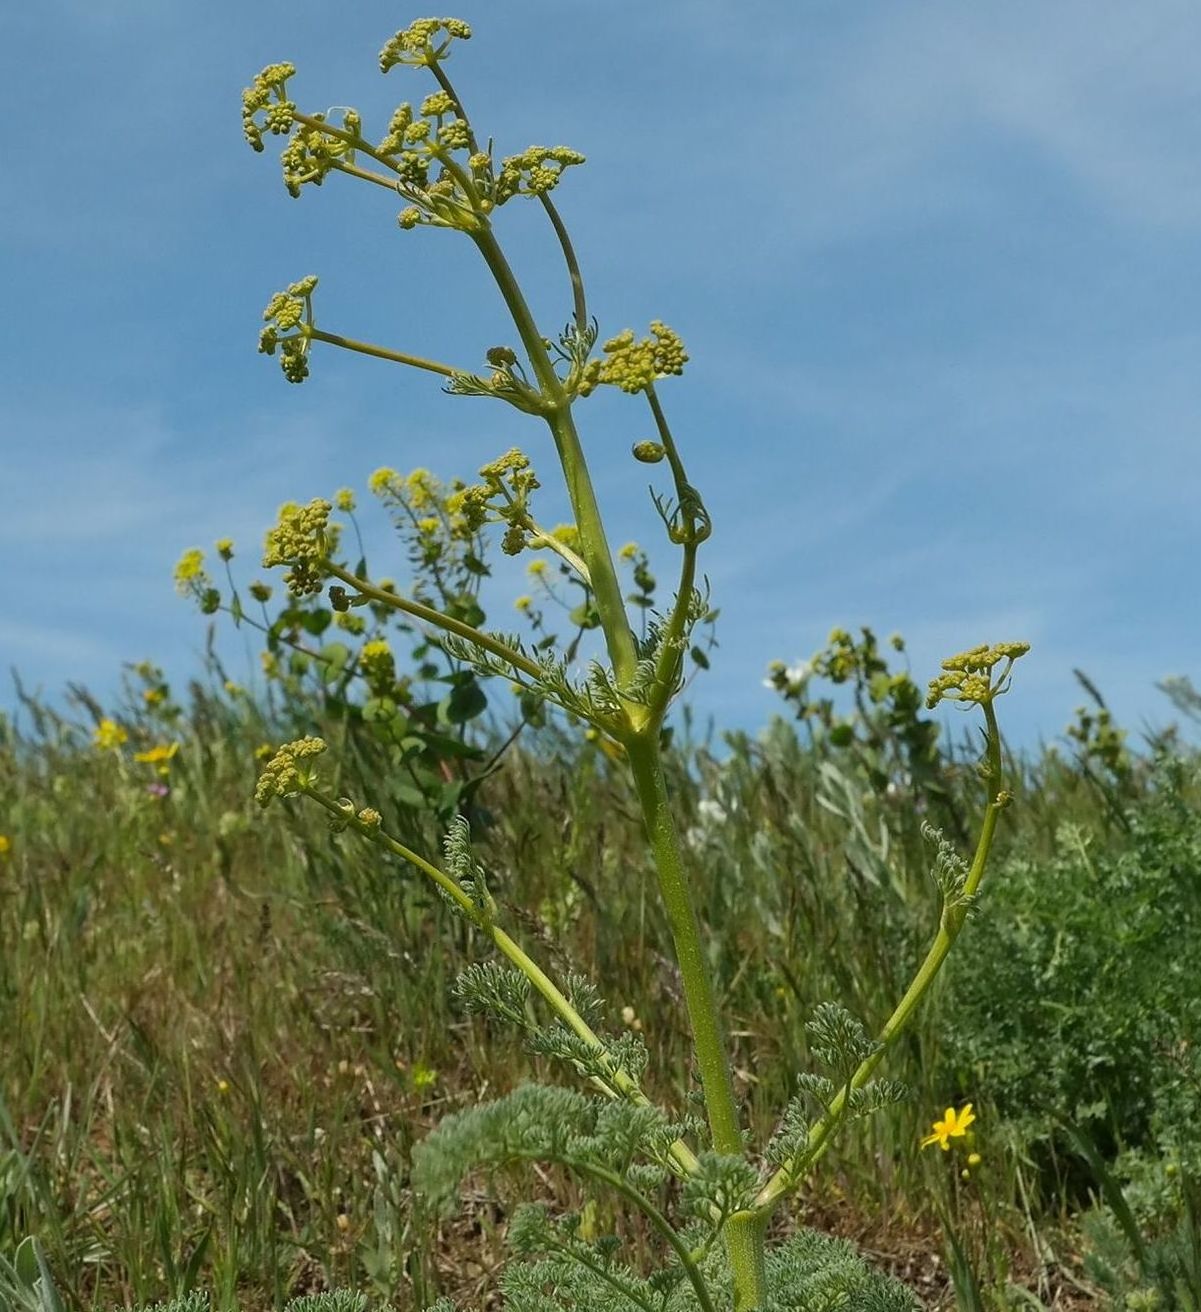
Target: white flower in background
x=793, y=675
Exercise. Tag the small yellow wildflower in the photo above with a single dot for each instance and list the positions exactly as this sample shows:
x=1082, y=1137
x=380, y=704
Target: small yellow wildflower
x=381, y=480
x=189, y=569
x=567, y=534
x=225, y=548
x=420, y=486
x=153, y=696
x=629, y=551
x=536, y=568
x=222, y=1086
x=974, y=1159
x=344, y=499
x=5, y=844
x=523, y=603
x=109, y=735
x=953, y=1126
x=157, y=755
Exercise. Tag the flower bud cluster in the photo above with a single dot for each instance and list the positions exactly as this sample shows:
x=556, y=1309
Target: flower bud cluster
x=288, y=770
x=267, y=97
x=289, y=319
x=503, y=497
x=634, y=365
x=969, y=676
x=300, y=540
x=536, y=171
x=425, y=41
x=312, y=152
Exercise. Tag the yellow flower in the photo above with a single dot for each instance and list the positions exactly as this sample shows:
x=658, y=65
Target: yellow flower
x=157, y=755
x=190, y=569
x=523, y=603
x=5, y=844
x=629, y=551
x=109, y=735
x=152, y=696
x=381, y=480
x=344, y=499
x=536, y=568
x=953, y=1126
x=225, y=548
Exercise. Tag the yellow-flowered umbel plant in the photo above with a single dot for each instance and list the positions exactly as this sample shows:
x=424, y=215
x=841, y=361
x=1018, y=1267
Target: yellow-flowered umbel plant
x=711, y=1253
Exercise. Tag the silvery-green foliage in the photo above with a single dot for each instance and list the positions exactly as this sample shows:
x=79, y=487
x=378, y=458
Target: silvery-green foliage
x=839, y=1040
x=461, y=863
x=498, y=992
x=562, y=1273
x=721, y=1186
x=536, y=1123
x=625, y=1052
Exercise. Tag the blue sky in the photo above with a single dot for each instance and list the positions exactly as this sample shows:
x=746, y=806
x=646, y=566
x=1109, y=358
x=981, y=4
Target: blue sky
x=936, y=265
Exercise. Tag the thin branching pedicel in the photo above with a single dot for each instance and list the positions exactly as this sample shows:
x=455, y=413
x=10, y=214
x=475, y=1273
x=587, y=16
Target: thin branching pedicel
x=713, y=1253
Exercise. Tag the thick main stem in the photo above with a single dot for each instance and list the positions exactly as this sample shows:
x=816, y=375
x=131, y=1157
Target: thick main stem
x=619, y=637
x=744, y=1232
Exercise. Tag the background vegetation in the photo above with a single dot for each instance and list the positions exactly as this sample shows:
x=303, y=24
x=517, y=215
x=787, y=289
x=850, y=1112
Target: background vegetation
x=225, y=1029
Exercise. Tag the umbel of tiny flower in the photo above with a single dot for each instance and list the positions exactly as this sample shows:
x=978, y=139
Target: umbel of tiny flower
x=972, y=675
x=502, y=497
x=634, y=365
x=424, y=42
x=954, y=1125
x=288, y=770
x=300, y=540
x=289, y=320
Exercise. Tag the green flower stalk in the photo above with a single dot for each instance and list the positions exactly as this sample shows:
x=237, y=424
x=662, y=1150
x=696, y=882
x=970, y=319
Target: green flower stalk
x=431, y=158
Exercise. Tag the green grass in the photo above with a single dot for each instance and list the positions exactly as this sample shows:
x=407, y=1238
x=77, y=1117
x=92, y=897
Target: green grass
x=224, y=1029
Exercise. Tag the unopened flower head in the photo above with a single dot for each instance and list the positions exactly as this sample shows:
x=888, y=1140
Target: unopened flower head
x=300, y=540
x=634, y=365
x=289, y=319
x=288, y=770
x=265, y=104
x=972, y=675
x=425, y=41
x=534, y=172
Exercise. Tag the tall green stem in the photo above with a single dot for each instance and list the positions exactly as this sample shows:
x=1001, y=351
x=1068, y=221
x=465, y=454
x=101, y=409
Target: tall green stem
x=744, y=1233
x=619, y=637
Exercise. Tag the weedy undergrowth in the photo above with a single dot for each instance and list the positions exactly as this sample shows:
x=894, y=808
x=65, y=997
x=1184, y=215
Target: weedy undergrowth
x=701, y=1188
